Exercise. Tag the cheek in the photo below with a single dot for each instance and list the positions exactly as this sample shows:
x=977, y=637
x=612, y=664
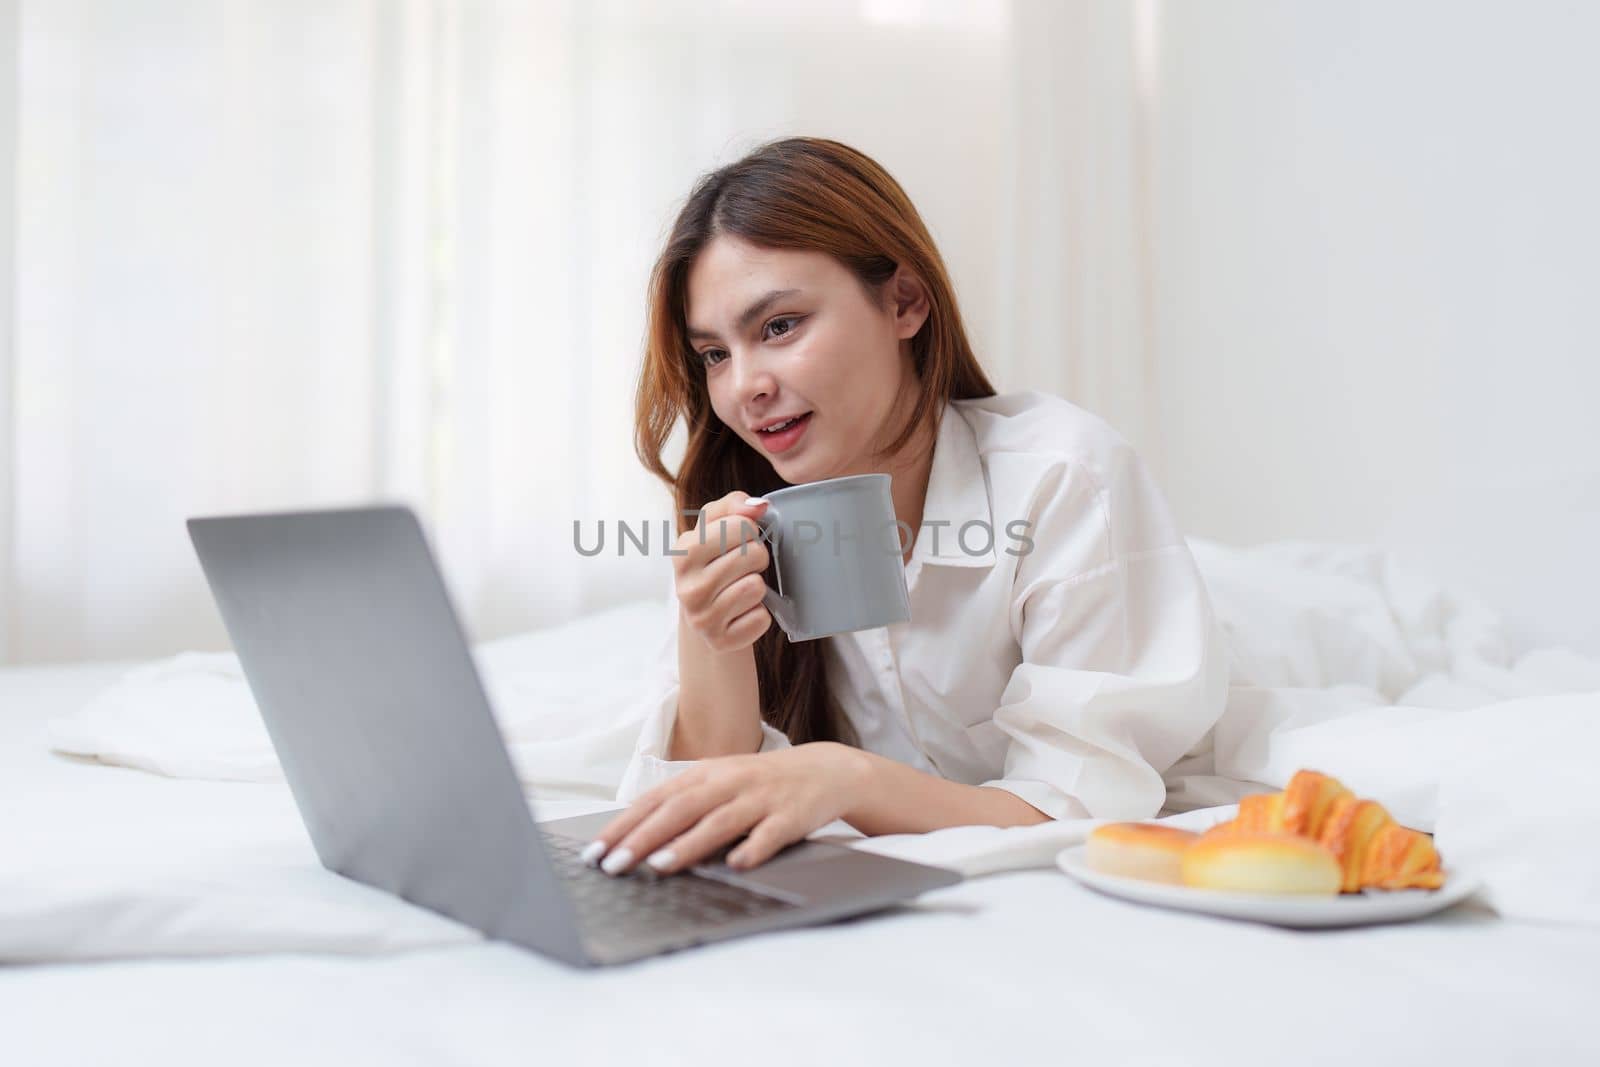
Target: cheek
x=826, y=363
x=857, y=370
x=722, y=405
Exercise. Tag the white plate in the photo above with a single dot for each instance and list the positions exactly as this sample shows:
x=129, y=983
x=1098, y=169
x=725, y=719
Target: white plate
x=1346, y=909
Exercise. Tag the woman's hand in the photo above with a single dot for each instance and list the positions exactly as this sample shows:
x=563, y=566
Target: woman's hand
x=776, y=797
x=719, y=574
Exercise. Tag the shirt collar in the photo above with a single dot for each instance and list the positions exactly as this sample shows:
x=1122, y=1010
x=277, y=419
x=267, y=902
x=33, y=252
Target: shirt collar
x=957, y=494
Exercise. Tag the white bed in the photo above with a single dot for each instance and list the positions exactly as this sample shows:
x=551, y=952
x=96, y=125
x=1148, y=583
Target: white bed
x=1017, y=967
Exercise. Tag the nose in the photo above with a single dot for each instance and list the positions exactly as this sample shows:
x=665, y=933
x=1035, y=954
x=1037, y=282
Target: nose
x=752, y=377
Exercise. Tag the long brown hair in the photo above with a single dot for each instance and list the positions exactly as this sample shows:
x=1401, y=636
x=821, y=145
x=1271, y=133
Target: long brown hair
x=801, y=193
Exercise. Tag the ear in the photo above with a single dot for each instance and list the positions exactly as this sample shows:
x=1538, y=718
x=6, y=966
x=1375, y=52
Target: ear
x=908, y=302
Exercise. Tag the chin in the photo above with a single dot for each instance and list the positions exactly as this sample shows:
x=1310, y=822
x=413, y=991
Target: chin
x=789, y=473
x=799, y=472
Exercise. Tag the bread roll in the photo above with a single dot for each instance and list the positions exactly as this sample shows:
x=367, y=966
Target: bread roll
x=1139, y=850
x=1248, y=862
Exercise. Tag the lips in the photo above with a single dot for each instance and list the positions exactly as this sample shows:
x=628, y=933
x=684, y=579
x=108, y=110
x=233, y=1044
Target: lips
x=785, y=434
x=781, y=423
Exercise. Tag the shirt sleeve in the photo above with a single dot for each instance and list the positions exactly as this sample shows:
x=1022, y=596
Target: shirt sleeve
x=649, y=765
x=1124, y=667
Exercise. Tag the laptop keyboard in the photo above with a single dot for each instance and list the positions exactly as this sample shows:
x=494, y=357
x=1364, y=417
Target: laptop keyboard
x=644, y=904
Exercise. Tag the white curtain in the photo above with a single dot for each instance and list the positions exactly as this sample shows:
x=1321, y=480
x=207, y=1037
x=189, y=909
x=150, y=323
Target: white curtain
x=267, y=255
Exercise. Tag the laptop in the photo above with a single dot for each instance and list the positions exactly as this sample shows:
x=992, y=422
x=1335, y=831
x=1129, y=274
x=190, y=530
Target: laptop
x=372, y=699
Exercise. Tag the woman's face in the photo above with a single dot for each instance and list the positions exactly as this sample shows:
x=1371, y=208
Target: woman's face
x=784, y=333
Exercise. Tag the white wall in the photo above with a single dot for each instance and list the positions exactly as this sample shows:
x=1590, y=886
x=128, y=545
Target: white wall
x=1377, y=262
x=8, y=201
x=275, y=256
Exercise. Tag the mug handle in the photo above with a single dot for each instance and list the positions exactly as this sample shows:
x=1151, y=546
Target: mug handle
x=779, y=606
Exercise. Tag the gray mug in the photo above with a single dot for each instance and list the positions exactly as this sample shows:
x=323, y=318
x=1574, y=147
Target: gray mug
x=835, y=546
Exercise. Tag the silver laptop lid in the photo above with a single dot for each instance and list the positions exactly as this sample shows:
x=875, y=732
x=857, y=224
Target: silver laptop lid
x=368, y=689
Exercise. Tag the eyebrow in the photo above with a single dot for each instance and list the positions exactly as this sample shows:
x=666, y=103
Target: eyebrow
x=749, y=315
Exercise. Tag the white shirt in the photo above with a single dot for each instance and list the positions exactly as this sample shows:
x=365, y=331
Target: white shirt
x=1073, y=673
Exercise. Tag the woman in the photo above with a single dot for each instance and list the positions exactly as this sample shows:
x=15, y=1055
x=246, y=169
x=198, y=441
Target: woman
x=803, y=326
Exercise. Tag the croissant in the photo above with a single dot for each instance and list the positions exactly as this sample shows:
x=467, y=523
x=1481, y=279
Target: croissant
x=1372, y=850
x=1399, y=858
x=1367, y=847
x=1261, y=813
x=1307, y=800
x=1347, y=833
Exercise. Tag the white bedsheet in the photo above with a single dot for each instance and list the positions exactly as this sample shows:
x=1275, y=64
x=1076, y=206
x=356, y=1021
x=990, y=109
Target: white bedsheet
x=105, y=862
x=1342, y=661
x=1022, y=967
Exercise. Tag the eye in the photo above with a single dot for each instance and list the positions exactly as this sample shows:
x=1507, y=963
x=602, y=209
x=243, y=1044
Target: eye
x=788, y=322
x=781, y=326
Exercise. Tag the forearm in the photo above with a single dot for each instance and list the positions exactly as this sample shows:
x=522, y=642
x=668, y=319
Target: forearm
x=895, y=799
x=719, y=709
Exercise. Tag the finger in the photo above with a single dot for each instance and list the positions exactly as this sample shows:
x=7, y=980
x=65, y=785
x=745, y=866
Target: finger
x=708, y=539
x=723, y=571
x=765, y=841
x=747, y=627
x=713, y=831
x=697, y=549
x=641, y=807
x=731, y=535
x=624, y=821
x=730, y=505
x=714, y=624
x=734, y=501
x=698, y=591
x=738, y=598
x=670, y=818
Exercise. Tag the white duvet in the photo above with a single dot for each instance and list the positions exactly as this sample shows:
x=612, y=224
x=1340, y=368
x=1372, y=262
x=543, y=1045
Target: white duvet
x=1342, y=661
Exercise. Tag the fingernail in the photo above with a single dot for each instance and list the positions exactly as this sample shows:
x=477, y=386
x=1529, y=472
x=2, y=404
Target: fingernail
x=736, y=858
x=662, y=858
x=755, y=501
x=592, y=852
x=618, y=861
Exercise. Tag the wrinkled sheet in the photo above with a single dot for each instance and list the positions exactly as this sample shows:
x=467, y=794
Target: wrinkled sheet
x=1017, y=968
x=1342, y=661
